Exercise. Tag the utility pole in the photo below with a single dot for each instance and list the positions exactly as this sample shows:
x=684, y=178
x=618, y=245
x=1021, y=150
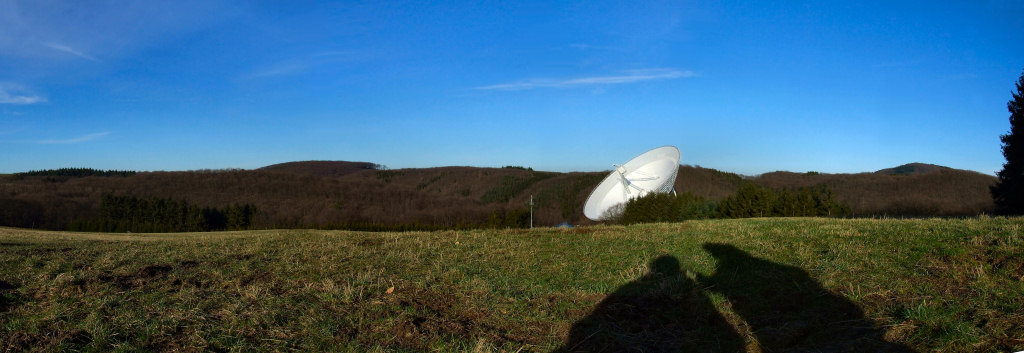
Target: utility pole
x=531, y=211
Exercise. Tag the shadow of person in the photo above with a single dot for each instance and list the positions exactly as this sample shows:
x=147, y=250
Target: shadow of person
x=663, y=311
x=787, y=310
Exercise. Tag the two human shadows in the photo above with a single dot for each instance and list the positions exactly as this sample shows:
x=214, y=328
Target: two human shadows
x=784, y=310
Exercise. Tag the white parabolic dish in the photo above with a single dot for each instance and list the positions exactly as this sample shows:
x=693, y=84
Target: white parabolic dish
x=652, y=171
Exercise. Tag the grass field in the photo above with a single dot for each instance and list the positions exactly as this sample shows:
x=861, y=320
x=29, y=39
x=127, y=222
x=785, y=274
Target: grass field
x=718, y=285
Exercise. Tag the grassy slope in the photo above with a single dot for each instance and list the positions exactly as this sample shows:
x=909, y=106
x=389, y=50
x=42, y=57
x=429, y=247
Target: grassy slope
x=950, y=285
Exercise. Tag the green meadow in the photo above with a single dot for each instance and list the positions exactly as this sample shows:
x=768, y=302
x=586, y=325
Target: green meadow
x=778, y=284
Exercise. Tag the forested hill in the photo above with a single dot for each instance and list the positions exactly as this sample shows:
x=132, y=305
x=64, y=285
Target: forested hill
x=909, y=190
x=913, y=169
x=322, y=168
x=362, y=195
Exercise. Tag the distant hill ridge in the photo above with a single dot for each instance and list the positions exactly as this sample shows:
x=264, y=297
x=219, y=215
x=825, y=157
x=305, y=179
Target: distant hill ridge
x=322, y=168
x=912, y=189
x=335, y=168
x=341, y=193
x=913, y=169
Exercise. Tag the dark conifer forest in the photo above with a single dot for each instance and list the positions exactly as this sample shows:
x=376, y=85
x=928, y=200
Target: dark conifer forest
x=1008, y=192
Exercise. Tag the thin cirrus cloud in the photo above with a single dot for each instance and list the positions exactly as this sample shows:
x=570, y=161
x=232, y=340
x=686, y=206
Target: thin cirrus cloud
x=584, y=46
x=80, y=139
x=69, y=50
x=309, y=63
x=35, y=29
x=626, y=77
x=282, y=69
x=15, y=95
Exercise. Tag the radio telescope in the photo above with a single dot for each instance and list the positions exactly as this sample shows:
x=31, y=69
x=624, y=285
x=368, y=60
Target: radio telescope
x=652, y=171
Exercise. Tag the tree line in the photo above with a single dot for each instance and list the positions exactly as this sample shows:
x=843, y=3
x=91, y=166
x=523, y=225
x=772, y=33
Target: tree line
x=751, y=200
x=75, y=173
x=354, y=196
x=1008, y=192
x=129, y=213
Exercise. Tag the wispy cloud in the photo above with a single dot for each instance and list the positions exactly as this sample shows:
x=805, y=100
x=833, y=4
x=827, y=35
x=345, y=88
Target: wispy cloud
x=584, y=46
x=69, y=50
x=11, y=131
x=7, y=98
x=16, y=94
x=958, y=77
x=281, y=69
x=632, y=76
x=109, y=27
x=310, y=63
x=81, y=139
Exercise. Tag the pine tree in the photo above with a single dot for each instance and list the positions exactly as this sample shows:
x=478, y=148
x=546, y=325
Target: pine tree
x=1008, y=192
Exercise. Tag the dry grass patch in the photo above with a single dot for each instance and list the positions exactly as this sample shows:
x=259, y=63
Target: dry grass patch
x=939, y=284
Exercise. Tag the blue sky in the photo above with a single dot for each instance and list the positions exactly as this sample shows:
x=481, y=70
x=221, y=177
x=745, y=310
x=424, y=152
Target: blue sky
x=747, y=87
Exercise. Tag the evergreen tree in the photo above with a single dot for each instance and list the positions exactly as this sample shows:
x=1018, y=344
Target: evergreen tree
x=1008, y=192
